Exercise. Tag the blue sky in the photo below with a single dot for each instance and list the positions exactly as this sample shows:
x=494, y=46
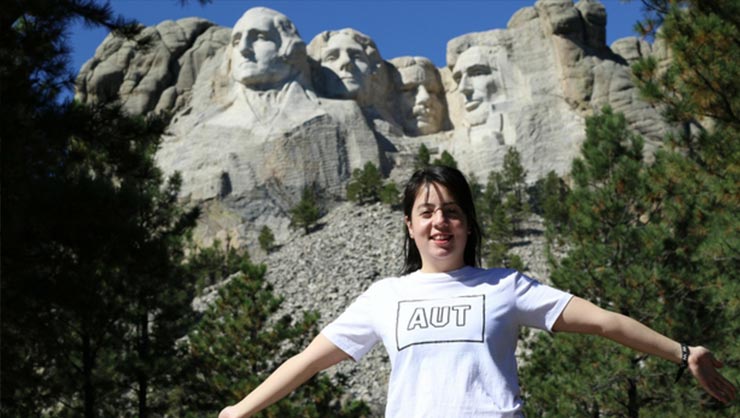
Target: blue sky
x=411, y=27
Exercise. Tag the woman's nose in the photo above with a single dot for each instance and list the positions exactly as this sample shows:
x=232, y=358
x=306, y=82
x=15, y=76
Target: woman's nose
x=439, y=217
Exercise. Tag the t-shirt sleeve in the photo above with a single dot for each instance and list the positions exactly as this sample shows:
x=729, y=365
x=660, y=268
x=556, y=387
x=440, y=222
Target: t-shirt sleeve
x=353, y=331
x=538, y=305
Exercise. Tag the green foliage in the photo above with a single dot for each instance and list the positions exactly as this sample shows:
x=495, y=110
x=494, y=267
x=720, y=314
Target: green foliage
x=476, y=190
x=266, y=239
x=549, y=196
x=92, y=236
x=390, y=195
x=514, y=183
x=210, y=265
x=422, y=158
x=501, y=209
x=635, y=234
x=236, y=346
x=446, y=159
x=701, y=79
x=307, y=212
x=365, y=185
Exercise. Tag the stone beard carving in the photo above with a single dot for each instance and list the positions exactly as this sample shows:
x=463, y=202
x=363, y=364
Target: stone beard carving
x=348, y=61
x=421, y=101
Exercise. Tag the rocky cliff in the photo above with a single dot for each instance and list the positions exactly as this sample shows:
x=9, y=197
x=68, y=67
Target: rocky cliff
x=252, y=146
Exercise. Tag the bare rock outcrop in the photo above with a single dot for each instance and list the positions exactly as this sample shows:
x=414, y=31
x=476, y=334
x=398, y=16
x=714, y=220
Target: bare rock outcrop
x=251, y=131
x=150, y=73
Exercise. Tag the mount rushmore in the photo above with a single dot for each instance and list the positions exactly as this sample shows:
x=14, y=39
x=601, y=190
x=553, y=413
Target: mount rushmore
x=258, y=114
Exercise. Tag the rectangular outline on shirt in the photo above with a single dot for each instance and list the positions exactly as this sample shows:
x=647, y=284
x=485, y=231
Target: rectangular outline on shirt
x=482, y=331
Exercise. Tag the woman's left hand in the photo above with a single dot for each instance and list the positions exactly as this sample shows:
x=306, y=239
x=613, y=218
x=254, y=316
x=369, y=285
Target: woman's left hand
x=703, y=366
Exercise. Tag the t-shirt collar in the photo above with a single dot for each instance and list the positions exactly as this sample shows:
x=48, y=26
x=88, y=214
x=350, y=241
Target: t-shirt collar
x=458, y=274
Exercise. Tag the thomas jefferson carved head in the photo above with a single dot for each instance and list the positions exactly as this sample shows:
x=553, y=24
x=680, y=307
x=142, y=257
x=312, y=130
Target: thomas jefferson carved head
x=348, y=59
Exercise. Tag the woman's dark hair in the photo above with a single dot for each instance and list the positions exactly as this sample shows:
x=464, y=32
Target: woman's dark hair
x=454, y=181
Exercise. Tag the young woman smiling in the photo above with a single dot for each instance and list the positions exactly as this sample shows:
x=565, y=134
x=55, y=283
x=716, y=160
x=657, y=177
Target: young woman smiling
x=450, y=328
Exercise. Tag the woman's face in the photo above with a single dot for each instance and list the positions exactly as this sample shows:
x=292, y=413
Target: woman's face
x=439, y=228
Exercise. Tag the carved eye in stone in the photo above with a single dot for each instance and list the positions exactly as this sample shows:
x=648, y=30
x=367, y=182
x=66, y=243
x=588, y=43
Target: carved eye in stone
x=457, y=76
x=478, y=70
x=409, y=88
x=236, y=38
x=357, y=56
x=432, y=88
x=330, y=56
x=258, y=36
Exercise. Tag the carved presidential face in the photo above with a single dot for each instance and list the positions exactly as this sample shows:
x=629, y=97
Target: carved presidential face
x=255, y=56
x=421, y=102
x=477, y=80
x=345, y=57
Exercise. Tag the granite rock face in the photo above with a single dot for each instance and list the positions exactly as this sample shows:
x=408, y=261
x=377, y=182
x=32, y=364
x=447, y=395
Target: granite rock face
x=254, y=143
x=151, y=73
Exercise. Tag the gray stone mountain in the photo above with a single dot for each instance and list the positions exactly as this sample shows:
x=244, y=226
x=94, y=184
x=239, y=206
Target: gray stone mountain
x=250, y=130
x=258, y=115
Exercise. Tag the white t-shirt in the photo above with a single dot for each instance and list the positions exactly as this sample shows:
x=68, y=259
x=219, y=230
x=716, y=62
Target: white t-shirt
x=450, y=337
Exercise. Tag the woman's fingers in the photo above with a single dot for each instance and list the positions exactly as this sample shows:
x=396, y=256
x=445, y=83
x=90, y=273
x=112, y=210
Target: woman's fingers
x=704, y=367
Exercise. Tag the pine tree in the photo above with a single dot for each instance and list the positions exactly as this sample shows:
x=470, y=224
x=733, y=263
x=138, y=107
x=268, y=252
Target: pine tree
x=236, y=346
x=390, y=195
x=266, y=239
x=514, y=177
x=549, y=196
x=446, y=159
x=306, y=212
x=502, y=208
x=91, y=234
x=627, y=253
x=422, y=158
x=365, y=185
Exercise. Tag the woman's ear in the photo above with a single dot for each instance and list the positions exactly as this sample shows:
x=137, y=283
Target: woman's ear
x=408, y=226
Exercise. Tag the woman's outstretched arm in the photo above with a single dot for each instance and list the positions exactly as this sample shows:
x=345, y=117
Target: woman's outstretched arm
x=319, y=355
x=582, y=316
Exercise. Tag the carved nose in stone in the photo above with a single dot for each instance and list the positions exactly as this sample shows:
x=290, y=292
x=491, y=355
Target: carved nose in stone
x=464, y=86
x=344, y=62
x=422, y=95
x=244, y=47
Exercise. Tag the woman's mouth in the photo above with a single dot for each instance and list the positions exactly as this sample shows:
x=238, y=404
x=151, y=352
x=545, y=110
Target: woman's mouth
x=441, y=238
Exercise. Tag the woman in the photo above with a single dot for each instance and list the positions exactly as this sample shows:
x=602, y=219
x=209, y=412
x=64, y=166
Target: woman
x=450, y=328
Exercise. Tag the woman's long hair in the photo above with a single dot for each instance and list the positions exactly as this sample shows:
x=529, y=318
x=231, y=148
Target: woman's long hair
x=456, y=184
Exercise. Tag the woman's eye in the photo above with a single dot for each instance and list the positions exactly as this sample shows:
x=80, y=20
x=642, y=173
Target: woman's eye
x=426, y=213
x=454, y=213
